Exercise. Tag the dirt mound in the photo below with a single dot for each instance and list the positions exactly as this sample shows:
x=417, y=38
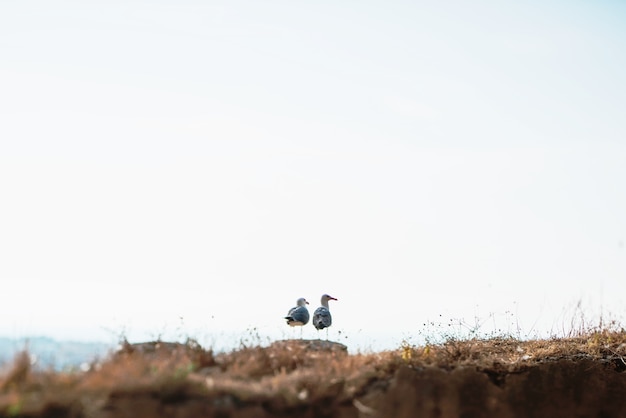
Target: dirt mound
x=563, y=388
x=313, y=378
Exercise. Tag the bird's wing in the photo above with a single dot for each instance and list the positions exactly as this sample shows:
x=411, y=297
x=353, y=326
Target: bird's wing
x=291, y=311
x=322, y=318
x=300, y=314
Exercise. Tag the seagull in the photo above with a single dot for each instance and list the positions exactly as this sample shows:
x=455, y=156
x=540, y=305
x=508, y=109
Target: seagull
x=298, y=315
x=321, y=316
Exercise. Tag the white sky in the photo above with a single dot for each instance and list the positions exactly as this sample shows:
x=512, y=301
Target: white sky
x=216, y=160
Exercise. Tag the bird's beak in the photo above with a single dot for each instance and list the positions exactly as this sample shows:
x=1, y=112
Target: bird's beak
x=332, y=298
x=306, y=302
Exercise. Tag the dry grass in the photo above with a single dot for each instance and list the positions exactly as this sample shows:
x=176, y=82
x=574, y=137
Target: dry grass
x=509, y=354
x=284, y=375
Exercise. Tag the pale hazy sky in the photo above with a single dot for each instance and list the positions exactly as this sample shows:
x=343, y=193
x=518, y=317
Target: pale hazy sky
x=216, y=160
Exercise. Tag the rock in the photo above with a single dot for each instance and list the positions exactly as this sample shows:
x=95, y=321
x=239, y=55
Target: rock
x=312, y=345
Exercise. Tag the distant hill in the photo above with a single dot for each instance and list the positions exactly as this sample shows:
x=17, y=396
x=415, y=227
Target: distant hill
x=49, y=353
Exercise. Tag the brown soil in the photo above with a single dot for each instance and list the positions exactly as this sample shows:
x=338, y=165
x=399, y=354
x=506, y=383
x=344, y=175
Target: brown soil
x=576, y=377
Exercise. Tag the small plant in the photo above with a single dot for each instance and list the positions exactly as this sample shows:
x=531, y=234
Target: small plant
x=15, y=409
x=406, y=351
